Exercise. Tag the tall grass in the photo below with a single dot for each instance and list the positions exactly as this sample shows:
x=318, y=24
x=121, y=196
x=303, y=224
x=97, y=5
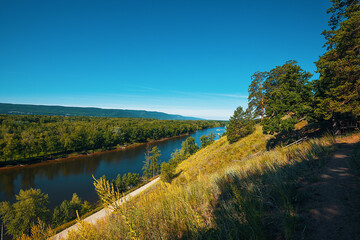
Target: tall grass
x=219, y=194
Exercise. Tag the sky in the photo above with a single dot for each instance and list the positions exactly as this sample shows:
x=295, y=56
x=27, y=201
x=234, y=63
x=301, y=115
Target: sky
x=188, y=57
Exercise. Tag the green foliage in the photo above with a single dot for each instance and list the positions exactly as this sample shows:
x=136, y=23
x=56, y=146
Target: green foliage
x=30, y=206
x=288, y=97
x=39, y=231
x=167, y=172
x=67, y=210
x=207, y=139
x=338, y=88
x=27, y=138
x=256, y=96
x=189, y=147
x=127, y=181
x=151, y=166
x=241, y=124
x=339, y=11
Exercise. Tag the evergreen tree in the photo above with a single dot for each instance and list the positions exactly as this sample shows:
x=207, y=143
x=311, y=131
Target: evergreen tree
x=288, y=97
x=75, y=205
x=240, y=125
x=65, y=211
x=256, y=94
x=151, y=167
x=57, y=217
x=338, y=88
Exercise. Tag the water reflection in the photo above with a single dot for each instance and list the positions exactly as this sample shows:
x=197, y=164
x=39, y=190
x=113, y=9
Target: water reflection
x=60, y=179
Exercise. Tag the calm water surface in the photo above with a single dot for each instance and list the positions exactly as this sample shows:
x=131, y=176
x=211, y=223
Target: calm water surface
x=60, y=179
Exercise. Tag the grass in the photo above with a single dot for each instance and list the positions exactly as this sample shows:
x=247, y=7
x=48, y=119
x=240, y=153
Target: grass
x=97, y=208
x=220, y=193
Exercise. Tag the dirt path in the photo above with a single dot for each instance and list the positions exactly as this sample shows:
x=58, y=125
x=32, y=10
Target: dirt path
x=104, y=212
x=332, y=209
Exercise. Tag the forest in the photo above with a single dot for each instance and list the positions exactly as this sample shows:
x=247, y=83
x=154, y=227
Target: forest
x=30, y=137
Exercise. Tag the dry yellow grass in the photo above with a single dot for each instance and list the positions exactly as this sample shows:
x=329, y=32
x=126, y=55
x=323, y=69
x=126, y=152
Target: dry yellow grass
x=219, y=194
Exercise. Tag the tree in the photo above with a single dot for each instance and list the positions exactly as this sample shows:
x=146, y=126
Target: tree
x=338, y=11
x=57, y=218
x=177, y=157
x=240, y=125
x=338, y=88
x=39, y=231
x=65, y=211
x=207, y=139
x=288, y=97
x=30, y=206
x=151, y=166
x=75, y=205
x=189, y=147
x=167, y=172
x=256, y=94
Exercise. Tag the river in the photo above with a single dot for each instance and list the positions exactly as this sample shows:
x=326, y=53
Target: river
x=60, y=179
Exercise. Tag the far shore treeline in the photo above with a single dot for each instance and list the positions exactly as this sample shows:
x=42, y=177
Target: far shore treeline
x=27, y=137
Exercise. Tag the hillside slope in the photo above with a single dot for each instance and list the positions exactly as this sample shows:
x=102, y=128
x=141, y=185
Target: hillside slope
x=27, y=109
x=221, y=192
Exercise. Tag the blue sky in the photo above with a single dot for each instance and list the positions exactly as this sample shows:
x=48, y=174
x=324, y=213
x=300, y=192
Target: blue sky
x=193, y=58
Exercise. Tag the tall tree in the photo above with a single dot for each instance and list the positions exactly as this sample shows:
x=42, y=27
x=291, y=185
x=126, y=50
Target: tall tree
x=256, y=94
x=241, y=124
x=30, y=206
x=152, y=167
x=338, y=88
x=288, y=97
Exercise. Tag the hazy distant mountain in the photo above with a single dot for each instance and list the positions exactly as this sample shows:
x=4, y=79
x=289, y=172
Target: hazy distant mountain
x=27, y=109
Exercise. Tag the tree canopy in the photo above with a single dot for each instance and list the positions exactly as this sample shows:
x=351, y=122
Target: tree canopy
x=338, y=88
x=151, y=165
x=30, y=206
x=29, y=137
x=288, y=97
x=240, y=125
x=256, y=98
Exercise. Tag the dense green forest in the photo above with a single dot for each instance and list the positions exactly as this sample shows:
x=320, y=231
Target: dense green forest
x=25, y=137
x=28, y=109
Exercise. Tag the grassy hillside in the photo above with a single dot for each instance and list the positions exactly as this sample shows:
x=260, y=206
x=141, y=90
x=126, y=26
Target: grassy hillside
x=221, y=192
x=27, y=109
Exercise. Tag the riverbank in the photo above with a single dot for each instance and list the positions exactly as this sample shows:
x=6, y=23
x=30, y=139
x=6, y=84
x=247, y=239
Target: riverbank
x=39, y=161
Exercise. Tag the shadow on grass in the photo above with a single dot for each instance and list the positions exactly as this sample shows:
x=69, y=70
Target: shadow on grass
x=259, y=206
x=312, y=130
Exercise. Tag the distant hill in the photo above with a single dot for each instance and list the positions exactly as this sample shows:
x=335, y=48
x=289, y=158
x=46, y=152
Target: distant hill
x=27, y=109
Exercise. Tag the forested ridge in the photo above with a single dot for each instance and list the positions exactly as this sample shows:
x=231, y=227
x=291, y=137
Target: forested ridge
x=29, y=109
x=23, y=137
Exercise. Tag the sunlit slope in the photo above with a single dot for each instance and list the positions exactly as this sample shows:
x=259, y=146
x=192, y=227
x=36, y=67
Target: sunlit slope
x=220, y=154
x=219, y=194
